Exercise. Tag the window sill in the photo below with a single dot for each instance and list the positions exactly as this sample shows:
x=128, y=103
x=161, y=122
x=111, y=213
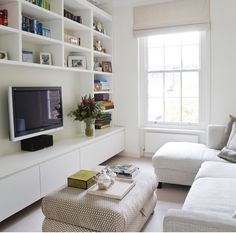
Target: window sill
x=173, y=131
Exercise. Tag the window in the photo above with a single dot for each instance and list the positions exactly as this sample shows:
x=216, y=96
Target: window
x=172, y=78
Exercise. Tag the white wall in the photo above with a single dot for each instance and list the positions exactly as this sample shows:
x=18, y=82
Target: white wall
x=223, y=80
x=13, y=76
x=125, y=80
x=223, y=96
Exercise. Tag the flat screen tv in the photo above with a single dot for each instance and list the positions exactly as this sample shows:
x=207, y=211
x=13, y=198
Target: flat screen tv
x=34, y=111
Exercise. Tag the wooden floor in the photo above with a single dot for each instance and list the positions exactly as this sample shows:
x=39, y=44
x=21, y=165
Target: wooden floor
x=169, y=197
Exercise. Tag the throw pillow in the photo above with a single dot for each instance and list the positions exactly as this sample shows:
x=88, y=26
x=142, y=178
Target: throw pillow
x=231, y=144
x=228, y=129
x=228, y=154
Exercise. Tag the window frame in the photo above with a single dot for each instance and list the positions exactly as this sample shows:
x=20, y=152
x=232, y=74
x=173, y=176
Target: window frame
x=204, y=84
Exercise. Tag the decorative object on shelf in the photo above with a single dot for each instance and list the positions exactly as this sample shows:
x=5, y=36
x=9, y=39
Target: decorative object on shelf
x=106, y=66
x=46, y=31
x=87, y=111
x=73, y=17
x=27, y=56
x=97, y=66
x=46, y=58
x=77, y=62
x=98, y=46
x=4, y=17
x=72, y=39
x=3, y=55
x=98, y=26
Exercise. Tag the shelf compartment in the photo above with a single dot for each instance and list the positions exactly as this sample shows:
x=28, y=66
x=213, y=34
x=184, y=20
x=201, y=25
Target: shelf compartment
x=38, y=46
x=80, y=9
x=34, y=11
x=84, y=34
x=13, y=12
x=10, y=42
x=74, y=50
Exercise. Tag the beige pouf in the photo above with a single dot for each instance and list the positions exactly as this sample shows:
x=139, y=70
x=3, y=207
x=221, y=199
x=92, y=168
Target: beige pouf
x=71, y=209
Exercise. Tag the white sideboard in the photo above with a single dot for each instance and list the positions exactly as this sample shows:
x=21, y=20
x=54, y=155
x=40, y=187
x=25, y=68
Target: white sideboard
x=25, y=177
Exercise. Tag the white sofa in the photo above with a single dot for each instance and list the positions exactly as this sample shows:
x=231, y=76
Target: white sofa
x=210, y=204
x=179, y=162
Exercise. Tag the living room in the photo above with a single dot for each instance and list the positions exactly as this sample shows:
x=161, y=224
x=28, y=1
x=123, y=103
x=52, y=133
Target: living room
x=119, y=43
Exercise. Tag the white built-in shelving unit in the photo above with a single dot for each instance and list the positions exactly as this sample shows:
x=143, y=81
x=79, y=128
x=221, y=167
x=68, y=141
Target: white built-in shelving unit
x=14, y=40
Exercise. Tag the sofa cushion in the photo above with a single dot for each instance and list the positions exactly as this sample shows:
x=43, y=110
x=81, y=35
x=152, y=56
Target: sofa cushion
x=210, y=195
x=183, y=156
x=217, y=170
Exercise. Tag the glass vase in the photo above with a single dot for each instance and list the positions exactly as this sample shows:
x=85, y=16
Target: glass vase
x=89, y=127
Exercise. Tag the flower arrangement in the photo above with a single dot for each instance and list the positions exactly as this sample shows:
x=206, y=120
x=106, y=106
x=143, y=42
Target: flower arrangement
x=87, y=111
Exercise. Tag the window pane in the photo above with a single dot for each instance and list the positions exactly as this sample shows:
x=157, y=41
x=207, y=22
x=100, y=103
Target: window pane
x=190, y=84
x=172, y=110
x=191, y=38
x=172, y=58
x=172, y=85
x=155, y=109
x=155, y=41
x=172, y=39
x=190, y=57
x=155, y=85
x=155, y=59
x=190, y=110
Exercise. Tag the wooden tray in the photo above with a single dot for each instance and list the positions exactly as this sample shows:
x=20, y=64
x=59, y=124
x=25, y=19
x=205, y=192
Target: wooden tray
x=117, y=191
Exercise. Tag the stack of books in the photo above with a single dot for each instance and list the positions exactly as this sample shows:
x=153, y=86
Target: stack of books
x=4, y=17
x=101, y=85
x=103, y=121
x=128, y=171
x=35, y=26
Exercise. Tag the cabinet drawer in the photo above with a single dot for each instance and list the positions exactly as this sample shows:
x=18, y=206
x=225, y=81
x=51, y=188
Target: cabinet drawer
x=18, y=191
x=100, y=151
x=54, y=173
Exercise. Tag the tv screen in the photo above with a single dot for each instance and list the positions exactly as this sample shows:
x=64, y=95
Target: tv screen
x=34, y=111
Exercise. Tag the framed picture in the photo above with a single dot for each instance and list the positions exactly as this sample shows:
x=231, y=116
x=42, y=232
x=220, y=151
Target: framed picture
x=46, y=58
x=27, y=56
x=77, y=62
x=106, y=66
x=3, y=55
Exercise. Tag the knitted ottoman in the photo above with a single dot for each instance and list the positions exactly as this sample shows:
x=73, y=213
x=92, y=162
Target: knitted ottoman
x=72, y=209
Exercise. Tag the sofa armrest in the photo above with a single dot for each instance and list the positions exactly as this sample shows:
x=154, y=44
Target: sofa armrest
x=188, y=221
x=215, y=136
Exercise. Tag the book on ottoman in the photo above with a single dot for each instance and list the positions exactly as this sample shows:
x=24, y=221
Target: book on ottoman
x=83, y=179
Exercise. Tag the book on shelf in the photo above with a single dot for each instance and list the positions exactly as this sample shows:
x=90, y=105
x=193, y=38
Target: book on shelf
x=128, y=171
x=82, y=179
x=102, y=126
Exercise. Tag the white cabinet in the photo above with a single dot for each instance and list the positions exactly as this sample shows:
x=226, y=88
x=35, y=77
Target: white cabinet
x=25, y=177
x=18, y=191
x=53, y=173
x=102, y=150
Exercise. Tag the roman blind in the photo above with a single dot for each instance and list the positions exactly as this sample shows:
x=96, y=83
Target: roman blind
x=170, y=14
